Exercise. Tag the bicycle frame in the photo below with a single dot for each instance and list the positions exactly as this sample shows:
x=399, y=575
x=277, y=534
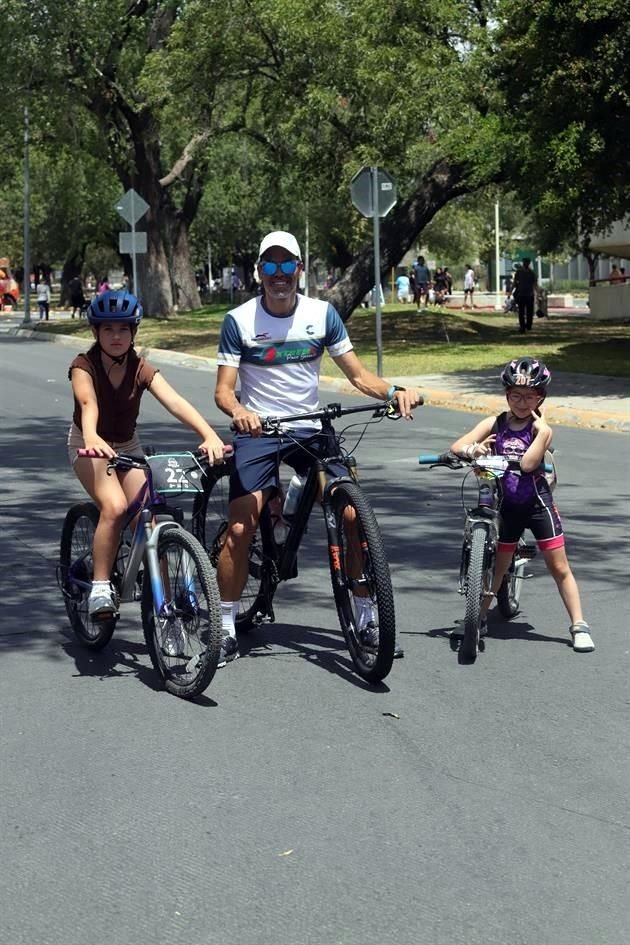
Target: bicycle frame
x=318, y=484
x=145, y=539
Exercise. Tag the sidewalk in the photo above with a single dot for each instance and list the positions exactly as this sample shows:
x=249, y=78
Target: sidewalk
x=581, y=400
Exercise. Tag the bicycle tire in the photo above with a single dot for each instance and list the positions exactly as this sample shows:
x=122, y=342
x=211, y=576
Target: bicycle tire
x=75, y=560
x=195, y=615
x=209, y=525
x=476, y=583
x=509, y=594
x=371, y=666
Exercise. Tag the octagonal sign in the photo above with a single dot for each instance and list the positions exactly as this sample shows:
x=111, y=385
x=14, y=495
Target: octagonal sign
x=361, y=191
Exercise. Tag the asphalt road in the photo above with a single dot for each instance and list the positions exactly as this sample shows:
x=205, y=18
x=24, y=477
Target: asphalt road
x=293, y=804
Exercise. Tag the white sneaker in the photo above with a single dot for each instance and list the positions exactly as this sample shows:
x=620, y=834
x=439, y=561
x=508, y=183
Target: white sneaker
x=582, y=641
x=101, y=600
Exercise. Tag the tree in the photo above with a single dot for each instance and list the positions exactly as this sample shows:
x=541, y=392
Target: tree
x=563, y=70
x=334, y=87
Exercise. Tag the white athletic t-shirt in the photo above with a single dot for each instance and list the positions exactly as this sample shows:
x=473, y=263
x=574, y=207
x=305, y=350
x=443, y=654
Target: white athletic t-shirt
x=279, y=357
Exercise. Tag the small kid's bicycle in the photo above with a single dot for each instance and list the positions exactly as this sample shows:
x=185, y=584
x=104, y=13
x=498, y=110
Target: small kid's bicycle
x=481, y=532
x=160, y=564
x=273, y=557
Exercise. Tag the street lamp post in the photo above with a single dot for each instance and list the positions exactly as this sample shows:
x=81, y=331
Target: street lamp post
x=27, y=223
x=497, y=259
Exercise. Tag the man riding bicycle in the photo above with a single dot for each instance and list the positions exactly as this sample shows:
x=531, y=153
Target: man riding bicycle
x=274, y=344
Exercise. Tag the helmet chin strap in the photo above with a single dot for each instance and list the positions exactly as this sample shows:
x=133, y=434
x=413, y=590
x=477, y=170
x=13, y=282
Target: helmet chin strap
x=118, y=358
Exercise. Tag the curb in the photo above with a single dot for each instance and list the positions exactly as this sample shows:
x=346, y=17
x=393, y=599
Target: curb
x=433, y=397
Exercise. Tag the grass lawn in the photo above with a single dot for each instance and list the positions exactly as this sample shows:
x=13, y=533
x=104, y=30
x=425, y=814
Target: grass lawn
x=435, y=342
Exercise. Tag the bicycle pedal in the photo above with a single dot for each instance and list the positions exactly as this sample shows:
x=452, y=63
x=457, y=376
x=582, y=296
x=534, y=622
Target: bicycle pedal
x=106, y=615
x=527, y=552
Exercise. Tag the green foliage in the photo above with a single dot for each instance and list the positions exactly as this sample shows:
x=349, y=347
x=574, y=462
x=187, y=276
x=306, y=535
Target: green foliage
x=563, y=70
x=266, y=114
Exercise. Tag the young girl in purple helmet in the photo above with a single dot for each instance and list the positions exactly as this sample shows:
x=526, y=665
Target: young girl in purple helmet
x=108, y=383
x=522, y=433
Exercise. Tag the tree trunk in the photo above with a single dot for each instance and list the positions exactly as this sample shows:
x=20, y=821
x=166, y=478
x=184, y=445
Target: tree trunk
x=398, y=233
x=183, y=283
x=165, y=273
x=72, y=267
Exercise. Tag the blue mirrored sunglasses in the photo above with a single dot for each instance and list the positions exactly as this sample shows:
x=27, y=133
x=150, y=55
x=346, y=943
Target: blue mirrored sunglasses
x=271, y=268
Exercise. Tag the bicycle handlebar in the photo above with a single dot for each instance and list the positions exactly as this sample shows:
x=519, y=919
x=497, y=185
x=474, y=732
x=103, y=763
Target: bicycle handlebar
x=452, y=461
x=329, y=412
x=123, y=461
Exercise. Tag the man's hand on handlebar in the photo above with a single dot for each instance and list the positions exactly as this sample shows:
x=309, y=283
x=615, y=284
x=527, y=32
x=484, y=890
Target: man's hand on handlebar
x=406, y=399
x=246, y=421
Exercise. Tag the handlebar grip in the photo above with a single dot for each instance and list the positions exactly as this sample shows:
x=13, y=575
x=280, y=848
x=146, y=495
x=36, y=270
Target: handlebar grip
x=90, y=453
x=228, y=451
x=547, y=467
x=429, y=459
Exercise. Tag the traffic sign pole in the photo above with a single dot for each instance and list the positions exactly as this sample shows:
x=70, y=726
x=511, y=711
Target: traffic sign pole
x=134, y=268
x=132, y=207
x=377, y=272
x=373, y=193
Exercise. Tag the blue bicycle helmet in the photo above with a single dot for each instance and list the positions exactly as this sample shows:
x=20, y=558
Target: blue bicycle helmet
x=526, y=372
x=114, y=307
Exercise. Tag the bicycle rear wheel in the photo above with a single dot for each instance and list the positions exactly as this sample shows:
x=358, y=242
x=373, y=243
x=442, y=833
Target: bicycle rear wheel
x=76, y=571
x=184, y=638
x=372, y=662
x=209, y=525
x=478, y=582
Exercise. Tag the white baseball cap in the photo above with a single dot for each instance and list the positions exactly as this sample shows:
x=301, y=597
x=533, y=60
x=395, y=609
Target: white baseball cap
x=282, y=239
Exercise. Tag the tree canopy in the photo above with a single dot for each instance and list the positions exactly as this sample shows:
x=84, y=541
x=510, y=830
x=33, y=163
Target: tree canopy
x=234, y=118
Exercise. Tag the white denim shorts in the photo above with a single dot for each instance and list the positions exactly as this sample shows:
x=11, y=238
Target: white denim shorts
x=76, y=442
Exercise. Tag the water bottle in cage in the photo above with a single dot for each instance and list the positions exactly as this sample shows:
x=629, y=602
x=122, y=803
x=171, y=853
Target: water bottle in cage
x=293, y=495
x=278, y=521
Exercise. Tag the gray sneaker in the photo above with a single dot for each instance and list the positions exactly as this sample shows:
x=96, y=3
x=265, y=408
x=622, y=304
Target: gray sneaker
x=368, y=636
x=175, y=640
x=229, y=651
x=101, y=600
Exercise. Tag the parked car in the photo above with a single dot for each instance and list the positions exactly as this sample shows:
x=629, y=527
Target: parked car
x=9, y=289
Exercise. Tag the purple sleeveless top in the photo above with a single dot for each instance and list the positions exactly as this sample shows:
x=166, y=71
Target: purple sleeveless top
x=517, y=487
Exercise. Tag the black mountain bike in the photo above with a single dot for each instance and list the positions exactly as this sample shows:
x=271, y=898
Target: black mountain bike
x=270, y=561
x=481, y=532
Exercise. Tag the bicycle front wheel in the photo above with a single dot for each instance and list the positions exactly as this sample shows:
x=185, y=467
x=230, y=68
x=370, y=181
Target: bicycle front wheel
x=478, y=583
x=184, y=635
x=210, y=517
x=76, y=570
x=358, y=567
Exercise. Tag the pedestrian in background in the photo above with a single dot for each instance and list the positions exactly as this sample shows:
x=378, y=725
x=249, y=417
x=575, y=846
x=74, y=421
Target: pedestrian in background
x=469, y=286
x=525, y=284
x=402, y=288
x=422, y=275
x=43, y=299
x=77, y=298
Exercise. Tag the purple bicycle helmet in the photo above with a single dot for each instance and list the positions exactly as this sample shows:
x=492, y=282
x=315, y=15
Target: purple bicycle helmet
x=526, y=372
x=114, y=307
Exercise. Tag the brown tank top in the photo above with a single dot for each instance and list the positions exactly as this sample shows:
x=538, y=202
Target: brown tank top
x=118, y=407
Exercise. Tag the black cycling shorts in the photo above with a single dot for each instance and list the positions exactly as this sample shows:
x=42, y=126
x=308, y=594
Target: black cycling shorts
x=540, y=515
